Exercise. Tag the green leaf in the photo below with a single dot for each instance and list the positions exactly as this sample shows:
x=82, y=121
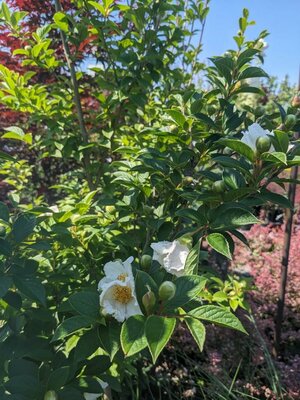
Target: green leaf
x=7, y=157
x=4, y=212
x=158, y=332
x=197, y=330
x=276, y=199
x=23, y=227
x=226, y=218
x=71, y=325
x=31, y=288
x=5, y=248
x=219, y=243
x=191, y=214
x=218, y=315
x=58, y=378
x=86, y=304
x=61, y=21
x=88, y=343
x=133, y=338
x=240, y=147
x=24, y=385
x=97, y=365
x=187, y=288
x=177, y=117
x=283, y=141
x=109, y=336
x=16, y=133
x=253, y=72
x=98, y=7
x=246, y=56
x=192, y=261
x=275, y=157
x=5, y=284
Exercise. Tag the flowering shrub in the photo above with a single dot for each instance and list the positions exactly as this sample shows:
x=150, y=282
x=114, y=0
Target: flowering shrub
x=162, y=168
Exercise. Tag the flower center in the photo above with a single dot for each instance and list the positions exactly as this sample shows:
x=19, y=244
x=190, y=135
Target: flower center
x=122, y=294
x=122, y=277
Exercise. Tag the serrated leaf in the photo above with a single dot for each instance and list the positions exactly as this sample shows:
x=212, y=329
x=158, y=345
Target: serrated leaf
x=192, y=261
x=197, y=330
x=219, y=243
x=69, y=326
x=218, y=315
x=276, y=157
x=232, y=217
x=133, y=338
x=158, y=331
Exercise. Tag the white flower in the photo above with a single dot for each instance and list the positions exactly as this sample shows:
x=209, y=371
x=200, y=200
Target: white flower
x=95, y=396
x=253, y=133
x=117, y=288
x=171, y=255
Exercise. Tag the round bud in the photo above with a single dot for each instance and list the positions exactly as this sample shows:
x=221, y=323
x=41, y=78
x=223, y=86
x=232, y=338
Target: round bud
x=149, y=301
x=290, y=121
x=50, y=395
x=263, y=144
x=2, y=231
x=259, y=111
x=146, y=262
x=110, y=209
x=187, y=180
x=166, y=291
x=296, y=101
x=219, y=186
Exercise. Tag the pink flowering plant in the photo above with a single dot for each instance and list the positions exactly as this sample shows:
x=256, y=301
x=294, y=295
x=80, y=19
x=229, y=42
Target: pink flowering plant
x=101, y=272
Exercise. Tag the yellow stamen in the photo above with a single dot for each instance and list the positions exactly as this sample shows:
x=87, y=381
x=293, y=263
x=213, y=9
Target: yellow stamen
x=122, y=277
x=122, y=294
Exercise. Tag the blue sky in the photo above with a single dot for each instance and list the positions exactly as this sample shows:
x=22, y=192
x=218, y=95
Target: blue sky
x=280, y=18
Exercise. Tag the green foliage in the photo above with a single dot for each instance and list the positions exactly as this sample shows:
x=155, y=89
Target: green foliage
x=160, y=159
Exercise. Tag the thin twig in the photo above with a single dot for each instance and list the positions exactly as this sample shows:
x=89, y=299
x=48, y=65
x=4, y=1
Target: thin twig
x=76, y=97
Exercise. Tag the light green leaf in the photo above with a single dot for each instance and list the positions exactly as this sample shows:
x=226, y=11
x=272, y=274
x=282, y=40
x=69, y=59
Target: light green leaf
x=197, y=330
x=158, y=332
x=218, y=315
x=61, y=21
x=177, y=117
x=133, y=337
x=219, y=243
x=276, y=157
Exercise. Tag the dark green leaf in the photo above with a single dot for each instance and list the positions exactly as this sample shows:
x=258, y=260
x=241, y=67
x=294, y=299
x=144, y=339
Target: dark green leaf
x=133, y=338
x=86, y=303
x=71, y=325
x=158, y=332
x=23, y=227
x=31, y=288
x=5, y=284
x=253, y=72
x=58, y=378
x=238, y=146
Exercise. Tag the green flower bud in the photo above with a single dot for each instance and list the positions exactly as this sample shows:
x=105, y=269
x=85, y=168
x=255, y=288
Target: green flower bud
x=166, y=291
x=296, y=101
x=187, y=180
x=259, y=111
x=290, y=121
x=263, y=144
x=146, y=261
x=50, y=395
x=219, y=186
x=149, y=301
